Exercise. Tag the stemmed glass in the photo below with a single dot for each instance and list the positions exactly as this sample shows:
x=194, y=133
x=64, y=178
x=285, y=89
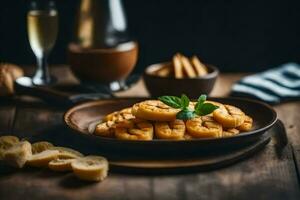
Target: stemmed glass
x=42, y=25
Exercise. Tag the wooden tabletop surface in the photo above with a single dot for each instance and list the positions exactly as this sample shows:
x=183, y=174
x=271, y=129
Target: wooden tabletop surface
x=270, y=174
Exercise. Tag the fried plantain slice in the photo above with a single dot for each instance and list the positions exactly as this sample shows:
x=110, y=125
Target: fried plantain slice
x=38, y=147
x=229, y=117
x=43, y=158
x=119, y=115
x=134, y=129
x=230, y=132
x=247, y=125
x=105, y=129
x=66, y=153
x=154, y=110
x=187, y=136
x=204, y=127
x=170, y=130
x=90, y=168
x=18, y=154
x=61, y=165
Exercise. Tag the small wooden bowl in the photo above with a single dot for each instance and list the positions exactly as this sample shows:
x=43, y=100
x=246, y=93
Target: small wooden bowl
x=103, y=65
x=193, y=87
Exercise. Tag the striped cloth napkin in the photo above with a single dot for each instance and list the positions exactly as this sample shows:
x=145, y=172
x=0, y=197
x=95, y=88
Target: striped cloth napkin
x=273, y=86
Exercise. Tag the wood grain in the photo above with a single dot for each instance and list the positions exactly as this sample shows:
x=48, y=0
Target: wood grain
x=271, y=174
x=265, y=175
x=7, y=114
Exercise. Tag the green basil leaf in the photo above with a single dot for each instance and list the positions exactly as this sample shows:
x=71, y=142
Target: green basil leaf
x=185, y=115
x=202, y=99
x=206, y=109
x=185, y=101
x=200, y=102
x=172, y=101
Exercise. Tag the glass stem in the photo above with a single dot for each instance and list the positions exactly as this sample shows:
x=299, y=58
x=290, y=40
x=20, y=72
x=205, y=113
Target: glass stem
x=42, y=75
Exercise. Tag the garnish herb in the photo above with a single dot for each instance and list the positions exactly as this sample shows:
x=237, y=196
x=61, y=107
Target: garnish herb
x=201, y=108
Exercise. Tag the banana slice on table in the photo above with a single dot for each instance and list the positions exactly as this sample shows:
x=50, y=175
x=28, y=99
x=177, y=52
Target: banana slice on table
x=42, y=159
x=170, y=130
x=247, y=125
x=154, y=110
x=6, y=142
x=203, y=127
x=18, y=154
x=134, y=129
x=66, y=153
x=38, y=147
x=230, y=132
x=230, y=116
x=90, y=168
x=105, y=129
x=119, y=115
x=61, y=165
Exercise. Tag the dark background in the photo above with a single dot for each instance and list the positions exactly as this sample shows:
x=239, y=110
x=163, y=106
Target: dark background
x=235, y=35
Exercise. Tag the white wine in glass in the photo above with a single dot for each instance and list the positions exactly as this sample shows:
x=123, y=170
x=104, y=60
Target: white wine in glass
x=42, y=22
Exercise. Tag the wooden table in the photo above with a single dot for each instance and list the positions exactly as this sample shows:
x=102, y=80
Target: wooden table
x=266, y=175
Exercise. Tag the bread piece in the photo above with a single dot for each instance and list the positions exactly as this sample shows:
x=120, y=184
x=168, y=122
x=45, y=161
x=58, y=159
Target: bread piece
x=6, y=83
x=8, y=74
x=7, y=142
x=18, y=154
x=178, y=70
x=164, y=71
x=42, y=159
x=187, y=67
x=66, y=153
x=14, y=70
x=200, y=68
x=90, y=168
x=38, y=147
x=61, y=165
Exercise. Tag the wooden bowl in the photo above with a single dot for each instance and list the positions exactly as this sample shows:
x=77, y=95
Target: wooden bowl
x=103, y=65
x=81, y=117
x=193, y=87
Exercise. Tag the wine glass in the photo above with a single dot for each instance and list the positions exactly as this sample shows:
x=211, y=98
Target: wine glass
x=42, y=25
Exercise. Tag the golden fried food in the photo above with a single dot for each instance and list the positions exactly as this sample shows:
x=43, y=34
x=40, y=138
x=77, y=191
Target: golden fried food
x=105, y=129
x=170, y=130
x=178, y=68
x=134, y=129
x=90, y=168
x=61, y=165
x=66, y=153
x=119, y=115
x=136, y=123
x=203, y=127
x=42, y=159
x=164, y=71
x=230, y=132
x=199, y=66
x=18, y=154
x=154, y=110
x=187, y=136
x=229, y=117
x=247, y=125
x=187, y=67
x=38, y=147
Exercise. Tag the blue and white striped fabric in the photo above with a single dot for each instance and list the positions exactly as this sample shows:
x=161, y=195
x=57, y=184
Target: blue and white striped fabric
x=272, y=86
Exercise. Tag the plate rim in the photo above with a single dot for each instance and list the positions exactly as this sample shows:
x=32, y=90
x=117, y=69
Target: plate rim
x=73, y=127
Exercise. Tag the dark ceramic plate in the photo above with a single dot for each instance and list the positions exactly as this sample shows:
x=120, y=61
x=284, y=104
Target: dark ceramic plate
x=80, y=117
